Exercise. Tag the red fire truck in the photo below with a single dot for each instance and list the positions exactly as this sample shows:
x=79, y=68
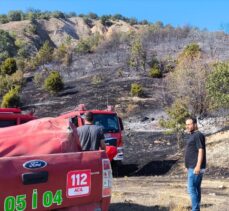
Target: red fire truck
x=43, y=168
x=14, y=116
x=108, y=119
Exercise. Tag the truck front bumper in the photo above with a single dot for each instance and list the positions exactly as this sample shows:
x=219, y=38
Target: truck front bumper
x=120, y=154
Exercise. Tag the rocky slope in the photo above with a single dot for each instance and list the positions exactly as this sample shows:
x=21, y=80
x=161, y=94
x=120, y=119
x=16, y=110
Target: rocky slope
x=166, y=42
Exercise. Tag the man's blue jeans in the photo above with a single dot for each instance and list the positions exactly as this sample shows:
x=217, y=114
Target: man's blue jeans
x=194, y=188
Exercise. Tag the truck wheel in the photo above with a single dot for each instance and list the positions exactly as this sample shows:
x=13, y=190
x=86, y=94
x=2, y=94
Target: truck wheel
x=116, y=167
x=116, y=163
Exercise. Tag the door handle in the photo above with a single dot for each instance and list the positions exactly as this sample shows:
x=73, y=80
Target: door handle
x=34, y=177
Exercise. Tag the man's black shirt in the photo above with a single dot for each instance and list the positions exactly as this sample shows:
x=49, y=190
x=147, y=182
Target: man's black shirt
x=195, y=142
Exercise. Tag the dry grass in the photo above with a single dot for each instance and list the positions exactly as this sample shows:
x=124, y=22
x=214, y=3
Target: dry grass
x=218, y=149
x=166, y=193
x=218, y=137
x=178, y=206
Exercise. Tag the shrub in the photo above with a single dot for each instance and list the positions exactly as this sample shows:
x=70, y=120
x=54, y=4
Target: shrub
x=136, y=90
x=10, y=81
x=191, y=51
x=53, y=83
x=62, y=54
x=118, y=17
x=71, y=14
x=44, y=15
x=31, y=29
x=83, y=47
x=132, y=21
x=89, y=44
x=7, y=46
x=11, y=98
x=96, y=79
x=58, y=14
x=19, y=43
x=3, y=85
x=9, y=66
x=218, y=85
x=188, y=81
x=16, y=79
x=177, y=114
x=15, y=15
x=38, y=79
x=3, y=19
x=21, y=63
x=137, y=55
x=88, y=21
x=154, y=61
x=24, y=49
x=144, y=22
x=155, y=72
x=44, y=55
x=169, y=66
x=37, y=14
x=32, y=14
x=159, y=24
x=81, y=15
x=105, y=20
x=92, y=16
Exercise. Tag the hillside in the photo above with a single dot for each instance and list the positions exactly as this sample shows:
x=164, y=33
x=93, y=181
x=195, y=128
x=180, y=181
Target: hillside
x=58, y=30
x=109, y=62
x=164, y=41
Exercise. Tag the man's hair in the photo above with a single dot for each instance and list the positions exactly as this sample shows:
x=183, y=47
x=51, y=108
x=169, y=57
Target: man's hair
x=88, y=116
x=194, y=120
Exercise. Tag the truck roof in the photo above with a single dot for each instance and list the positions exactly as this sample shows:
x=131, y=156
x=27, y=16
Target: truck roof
x=10, y=110
x=99, y=112
x=80, y=112
x=15, y=113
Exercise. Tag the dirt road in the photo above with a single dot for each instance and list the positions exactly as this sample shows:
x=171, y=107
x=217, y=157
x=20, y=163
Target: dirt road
x=166, y=193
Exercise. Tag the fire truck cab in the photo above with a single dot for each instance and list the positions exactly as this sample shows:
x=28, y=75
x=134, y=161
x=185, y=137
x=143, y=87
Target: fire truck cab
x=110, y=122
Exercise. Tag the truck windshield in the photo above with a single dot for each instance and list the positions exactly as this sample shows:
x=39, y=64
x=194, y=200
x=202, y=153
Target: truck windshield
x=109, y=122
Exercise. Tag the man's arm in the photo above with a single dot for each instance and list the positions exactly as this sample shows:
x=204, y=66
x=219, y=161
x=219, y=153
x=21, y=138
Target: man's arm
x=102, y=145
x=199, y=161
x=101, y=138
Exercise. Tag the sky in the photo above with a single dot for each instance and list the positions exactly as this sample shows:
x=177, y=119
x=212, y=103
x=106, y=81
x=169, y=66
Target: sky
x=204, y=14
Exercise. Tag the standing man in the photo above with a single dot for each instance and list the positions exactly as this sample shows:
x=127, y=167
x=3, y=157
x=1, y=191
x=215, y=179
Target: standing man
x=91, y=136
x=195, y=161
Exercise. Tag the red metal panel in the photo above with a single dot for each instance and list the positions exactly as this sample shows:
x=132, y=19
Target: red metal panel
x=58, y=166
x=14, y=110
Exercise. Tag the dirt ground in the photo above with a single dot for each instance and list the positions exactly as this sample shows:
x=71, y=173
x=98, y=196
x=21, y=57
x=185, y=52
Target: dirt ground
x=152, y=176
x=165, y=193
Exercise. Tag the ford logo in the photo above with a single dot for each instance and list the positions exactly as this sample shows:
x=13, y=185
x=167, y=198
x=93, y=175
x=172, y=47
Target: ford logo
x=34, y=164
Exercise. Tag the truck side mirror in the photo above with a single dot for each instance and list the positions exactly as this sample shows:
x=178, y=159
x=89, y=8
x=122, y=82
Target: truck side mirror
x=121, y=124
